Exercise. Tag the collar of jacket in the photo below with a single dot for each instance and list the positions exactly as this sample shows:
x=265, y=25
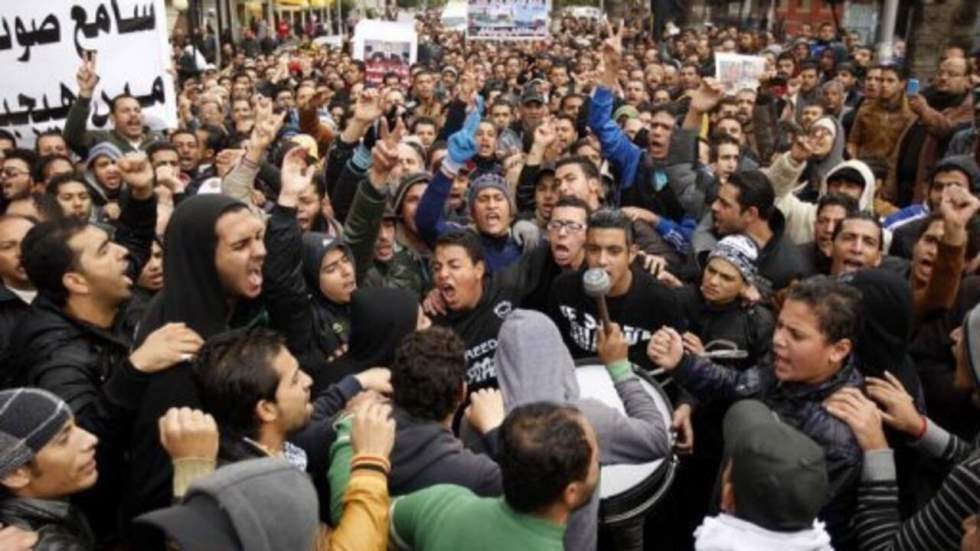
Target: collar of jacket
x=36, y=510
x=899, y=105
x=848, y=375
x=107, y=334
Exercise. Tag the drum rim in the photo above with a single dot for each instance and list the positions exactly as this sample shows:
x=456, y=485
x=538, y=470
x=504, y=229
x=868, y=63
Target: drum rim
x=666, y=471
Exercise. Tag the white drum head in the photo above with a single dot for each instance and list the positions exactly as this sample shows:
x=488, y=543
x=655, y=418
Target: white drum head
x=594, y=382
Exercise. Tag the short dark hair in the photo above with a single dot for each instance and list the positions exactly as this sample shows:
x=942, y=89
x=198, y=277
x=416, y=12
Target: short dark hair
x=465, y=238
x=117, y=98
x=48, y=133
x=234, y=371
x=216, y=139
x=42, y=165
x=157, y=147
x=543, y=449
x=60, y=179
x=26, y=155
x=836, y=304
x=574, y=202
x=754, y=190
x=900, y=71
x=867, y=217
x=428, y=373
x=718, y=140
x=808, y=64
x=848, y=203
x=179, y=131
x=424, y=120
x=46, y=206
x=47, y=257
x=8, y=135
x=588, y=167
x=615, y=219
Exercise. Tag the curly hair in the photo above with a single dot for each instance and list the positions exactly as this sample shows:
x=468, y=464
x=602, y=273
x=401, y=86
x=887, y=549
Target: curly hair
x=428, y=373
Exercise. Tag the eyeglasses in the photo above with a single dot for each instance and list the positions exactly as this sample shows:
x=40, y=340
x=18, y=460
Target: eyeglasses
x=13, y=172
x=571, y=227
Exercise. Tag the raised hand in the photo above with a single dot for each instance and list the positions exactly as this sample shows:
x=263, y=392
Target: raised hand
x=188, y=433
x=545, y=134
x=611, y=346
x=898, y=408
x=861, y=414
x=296, y=175
x=486, y=410
x=377, y=379
x=368, y=107
x=462, y=145
x=267, y=125
x=706, y=97
x=166, y=347
x=666, y=348
x=86, y=77
x=373, y=430
x=384, y=154
x=957, y=207
x=137, y=172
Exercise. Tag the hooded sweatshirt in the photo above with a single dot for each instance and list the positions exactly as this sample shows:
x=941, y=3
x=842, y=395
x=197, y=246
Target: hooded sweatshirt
x=379, y=319
x=534, y=365
x=727, y=533
x=331, y=320
x=800, y=215
x=192, y=294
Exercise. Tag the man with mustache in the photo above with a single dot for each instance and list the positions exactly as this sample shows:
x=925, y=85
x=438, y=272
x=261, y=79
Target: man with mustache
x=128, y=133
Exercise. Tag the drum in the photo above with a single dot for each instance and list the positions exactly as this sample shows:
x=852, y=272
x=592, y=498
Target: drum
x=628, y=492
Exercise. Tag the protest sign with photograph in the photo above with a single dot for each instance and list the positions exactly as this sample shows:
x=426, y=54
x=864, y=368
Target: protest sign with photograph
x=508, y=19
x=385, y=47
x=736, y=71
x=48, y=40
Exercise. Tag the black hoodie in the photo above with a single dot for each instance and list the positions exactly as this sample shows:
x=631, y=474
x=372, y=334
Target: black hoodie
x=192, y=294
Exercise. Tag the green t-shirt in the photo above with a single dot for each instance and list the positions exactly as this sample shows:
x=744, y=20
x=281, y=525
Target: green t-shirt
x=446, y=517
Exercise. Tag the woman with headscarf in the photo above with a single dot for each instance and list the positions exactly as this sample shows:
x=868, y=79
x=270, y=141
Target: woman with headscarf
x=825, y=137
x=533, y=364
x=379, y=319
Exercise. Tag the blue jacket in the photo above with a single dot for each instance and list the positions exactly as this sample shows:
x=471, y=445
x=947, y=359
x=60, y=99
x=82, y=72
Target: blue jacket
x=801, y=406
x=430, y=218
x=668, y=187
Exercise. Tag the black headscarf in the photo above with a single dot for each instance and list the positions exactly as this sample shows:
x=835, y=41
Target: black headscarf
x=883, y=343
x=380, y=318
x=192, y=291
x=331, y=320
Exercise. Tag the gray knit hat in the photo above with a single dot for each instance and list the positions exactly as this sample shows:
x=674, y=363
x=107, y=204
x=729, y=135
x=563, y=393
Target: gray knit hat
x=739, y=251
x=489, y=180
x=102, y=148
x=255, y=505
x=29, y=419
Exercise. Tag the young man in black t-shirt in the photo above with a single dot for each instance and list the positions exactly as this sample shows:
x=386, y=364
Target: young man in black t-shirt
x=477, y=302
x=637, y=301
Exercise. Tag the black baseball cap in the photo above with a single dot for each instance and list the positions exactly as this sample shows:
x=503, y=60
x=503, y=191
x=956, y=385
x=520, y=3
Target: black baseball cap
x=778, y=474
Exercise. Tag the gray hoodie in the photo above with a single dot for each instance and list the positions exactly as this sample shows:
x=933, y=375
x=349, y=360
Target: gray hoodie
x=534, y=365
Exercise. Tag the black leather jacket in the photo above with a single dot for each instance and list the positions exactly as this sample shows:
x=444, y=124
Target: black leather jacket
x=58, y=525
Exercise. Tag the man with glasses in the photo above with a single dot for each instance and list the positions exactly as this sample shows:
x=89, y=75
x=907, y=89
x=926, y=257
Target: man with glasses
x=17, y=178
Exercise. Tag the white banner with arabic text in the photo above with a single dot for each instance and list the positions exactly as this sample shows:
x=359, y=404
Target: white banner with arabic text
x=42, y=45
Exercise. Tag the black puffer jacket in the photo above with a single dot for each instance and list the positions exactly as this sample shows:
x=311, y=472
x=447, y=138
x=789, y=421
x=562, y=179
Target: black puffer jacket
x=801, y=406
x=58, y=525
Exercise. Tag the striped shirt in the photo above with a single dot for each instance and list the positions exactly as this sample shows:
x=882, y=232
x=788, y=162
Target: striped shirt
x=938, y=525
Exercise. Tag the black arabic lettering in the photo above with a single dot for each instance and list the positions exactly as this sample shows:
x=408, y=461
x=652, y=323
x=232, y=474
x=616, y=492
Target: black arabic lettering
x=102, y=23
x=49, y=33
x=5, y=41
x=135, y=23
x=31, y=113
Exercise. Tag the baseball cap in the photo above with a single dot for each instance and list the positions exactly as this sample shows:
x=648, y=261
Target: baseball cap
x=778, y=474
x=255, y=505
x=530, y=94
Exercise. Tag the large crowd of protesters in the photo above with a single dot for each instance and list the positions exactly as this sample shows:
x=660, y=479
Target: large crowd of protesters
x=337, y=309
